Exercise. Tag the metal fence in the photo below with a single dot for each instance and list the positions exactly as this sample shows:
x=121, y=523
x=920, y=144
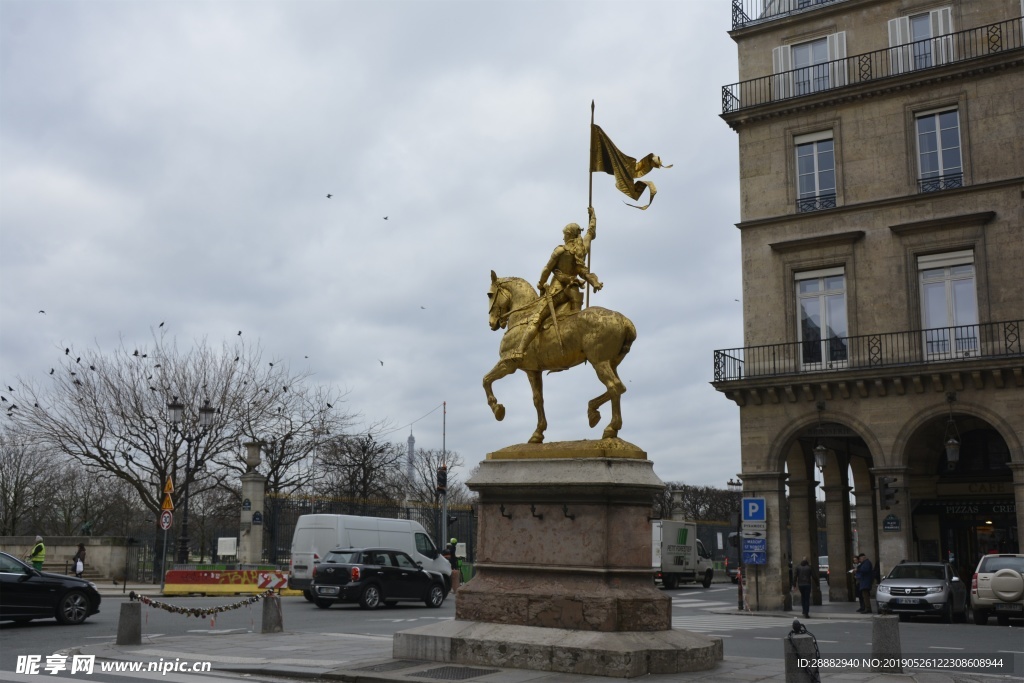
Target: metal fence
x=837, y=354
x=962, y=46
x=751, y=12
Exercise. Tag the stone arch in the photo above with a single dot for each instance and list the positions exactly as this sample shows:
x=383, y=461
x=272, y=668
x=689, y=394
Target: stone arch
x=920, y=419
x=778, y=449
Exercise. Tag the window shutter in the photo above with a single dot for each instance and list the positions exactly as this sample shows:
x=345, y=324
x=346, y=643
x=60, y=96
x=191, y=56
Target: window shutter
x=782, y=64
x=942, y=25
x=837, y=51
x=899, y=51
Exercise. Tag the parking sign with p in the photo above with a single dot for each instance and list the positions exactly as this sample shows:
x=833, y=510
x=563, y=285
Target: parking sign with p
x=753, y=510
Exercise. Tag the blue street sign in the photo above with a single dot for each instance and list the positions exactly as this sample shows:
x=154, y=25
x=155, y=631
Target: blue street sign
x=753, y=510
x=755, y=558
x=755, y=545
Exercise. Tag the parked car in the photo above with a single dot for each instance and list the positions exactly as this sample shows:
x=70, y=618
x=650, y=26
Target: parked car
x=27, y=593
x=997, y=587
x=374, y=577
x=823, y=568
x=923, y=588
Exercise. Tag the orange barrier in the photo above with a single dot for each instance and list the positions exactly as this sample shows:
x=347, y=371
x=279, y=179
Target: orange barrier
x=225, y=582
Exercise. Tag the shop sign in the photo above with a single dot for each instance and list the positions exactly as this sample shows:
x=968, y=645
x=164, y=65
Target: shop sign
x=891, y=523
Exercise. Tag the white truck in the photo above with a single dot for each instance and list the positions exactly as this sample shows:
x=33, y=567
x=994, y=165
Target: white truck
x=678, y=556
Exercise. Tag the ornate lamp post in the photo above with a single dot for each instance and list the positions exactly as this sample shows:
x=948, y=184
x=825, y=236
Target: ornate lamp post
x=736, y=486
x=175, y=413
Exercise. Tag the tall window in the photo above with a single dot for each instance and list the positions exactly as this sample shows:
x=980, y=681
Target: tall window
x=949, y=304
x=822, y=330
x=920, y=41
x=815, y=171
x=809, y=67
x=938, y=151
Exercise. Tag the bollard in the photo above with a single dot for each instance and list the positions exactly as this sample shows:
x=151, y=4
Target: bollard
x=273, y=618
x=129, y=625
x=885, y=643
x=796, y=648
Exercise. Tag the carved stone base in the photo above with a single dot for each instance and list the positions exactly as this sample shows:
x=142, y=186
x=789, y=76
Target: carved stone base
x=620, y=655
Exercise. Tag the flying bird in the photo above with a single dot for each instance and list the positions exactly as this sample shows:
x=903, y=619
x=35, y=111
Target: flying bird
x=78, y=360
x=51, y=371
x=239, y=333
x=78, y=382
x=92, y=367
x=329, y=405
x=381, y=362
x=42, y=311
x=236, y=359
x=284, y=388
x=160, y=325
x=423, y=307
x=67, y=352
x=3, y=398
x=329, y=195
x=271, y=364
x=10, y=388
x=136, y=353
x=385, y=217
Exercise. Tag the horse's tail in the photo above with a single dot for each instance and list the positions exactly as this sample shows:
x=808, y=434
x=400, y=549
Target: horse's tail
x=629, y=338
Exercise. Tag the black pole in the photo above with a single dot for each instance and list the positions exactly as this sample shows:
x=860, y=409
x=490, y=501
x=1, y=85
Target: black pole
x=183, y=539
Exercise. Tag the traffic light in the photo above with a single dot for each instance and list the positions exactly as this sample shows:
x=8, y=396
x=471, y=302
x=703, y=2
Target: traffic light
x=887, y=492
x=442, y=479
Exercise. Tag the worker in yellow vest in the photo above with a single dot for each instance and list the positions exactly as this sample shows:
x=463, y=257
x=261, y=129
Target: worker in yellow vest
x=38, y=555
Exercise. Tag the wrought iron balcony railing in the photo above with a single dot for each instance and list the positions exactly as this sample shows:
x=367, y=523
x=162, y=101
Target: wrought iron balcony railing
x=891, y=349
x=750, y=12
x=822, y=201
x=940, y=182
x=951, y=48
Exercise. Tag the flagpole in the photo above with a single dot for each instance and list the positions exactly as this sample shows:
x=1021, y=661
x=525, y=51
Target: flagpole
x=590, y=189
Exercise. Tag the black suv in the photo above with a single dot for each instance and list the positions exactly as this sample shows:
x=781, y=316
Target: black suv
x=374, y=577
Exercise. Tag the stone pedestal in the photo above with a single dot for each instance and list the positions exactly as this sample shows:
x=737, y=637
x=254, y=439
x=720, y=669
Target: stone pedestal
x=564, y=550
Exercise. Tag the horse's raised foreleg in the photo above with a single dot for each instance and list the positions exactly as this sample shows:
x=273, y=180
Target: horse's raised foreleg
x=503, y=368
x=537, y=386
x=615, y=388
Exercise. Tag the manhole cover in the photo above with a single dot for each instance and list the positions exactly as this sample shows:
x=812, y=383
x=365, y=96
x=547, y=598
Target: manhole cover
x=454, y=673
x=389, y=666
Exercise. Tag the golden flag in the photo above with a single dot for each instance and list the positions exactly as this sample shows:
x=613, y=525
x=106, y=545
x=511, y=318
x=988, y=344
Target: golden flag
x=605, y=156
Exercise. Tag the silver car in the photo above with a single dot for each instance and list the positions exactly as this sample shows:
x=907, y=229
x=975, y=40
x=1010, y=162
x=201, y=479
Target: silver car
x=923, y=588
x=998, y=589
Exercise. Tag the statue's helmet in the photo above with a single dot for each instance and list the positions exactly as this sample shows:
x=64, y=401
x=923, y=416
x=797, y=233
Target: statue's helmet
x=571, y=230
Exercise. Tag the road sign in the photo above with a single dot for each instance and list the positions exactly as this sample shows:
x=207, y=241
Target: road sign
x=747, y=533
x=166, y=519
x=755, y=526
x=758, y=545
x=169, y=486
x=753, y=510
x=755, y=558
x=168, y=503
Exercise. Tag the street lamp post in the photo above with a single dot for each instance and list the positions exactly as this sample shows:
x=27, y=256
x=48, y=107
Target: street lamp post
x=175, y=412
x=737, y=488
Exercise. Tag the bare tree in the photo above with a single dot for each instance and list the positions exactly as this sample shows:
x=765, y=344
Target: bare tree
x=109, y=412
x=698, y=503
x=24, y=482
x=361, y=467
x=423, y=487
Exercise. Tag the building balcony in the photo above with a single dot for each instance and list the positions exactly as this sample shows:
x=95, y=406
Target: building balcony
x=752, y=12
x=912, y=58
x=871, y=352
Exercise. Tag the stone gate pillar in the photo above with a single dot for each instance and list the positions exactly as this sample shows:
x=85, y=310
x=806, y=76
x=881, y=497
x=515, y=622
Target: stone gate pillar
x=250, y=536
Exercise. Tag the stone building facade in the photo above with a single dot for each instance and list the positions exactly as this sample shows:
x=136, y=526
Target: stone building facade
x=881, y=147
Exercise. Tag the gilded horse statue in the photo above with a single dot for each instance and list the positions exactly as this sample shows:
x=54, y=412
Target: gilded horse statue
x=595, y=335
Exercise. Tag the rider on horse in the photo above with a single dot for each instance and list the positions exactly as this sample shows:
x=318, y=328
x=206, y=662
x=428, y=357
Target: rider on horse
x=567, y=264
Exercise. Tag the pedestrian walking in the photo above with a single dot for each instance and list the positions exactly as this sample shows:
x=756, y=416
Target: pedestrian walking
x=78, y=561
x=803, y=577
x=864, y=576
x=456, y=569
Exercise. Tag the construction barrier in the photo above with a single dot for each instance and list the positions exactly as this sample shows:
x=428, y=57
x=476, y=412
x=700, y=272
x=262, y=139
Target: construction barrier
x=225, y=582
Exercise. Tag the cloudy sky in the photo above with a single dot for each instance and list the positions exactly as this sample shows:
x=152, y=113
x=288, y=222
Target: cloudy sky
x=170, y=161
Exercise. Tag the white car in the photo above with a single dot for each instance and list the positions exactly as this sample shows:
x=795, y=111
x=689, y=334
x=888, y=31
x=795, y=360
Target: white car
x=998, y=588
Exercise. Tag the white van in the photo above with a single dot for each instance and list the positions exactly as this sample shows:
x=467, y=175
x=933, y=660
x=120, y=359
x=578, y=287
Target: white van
x=316, y=535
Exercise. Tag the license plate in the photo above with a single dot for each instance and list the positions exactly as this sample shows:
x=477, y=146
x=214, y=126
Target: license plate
x=327, y=590
x=1010, y=607
x=906, y=601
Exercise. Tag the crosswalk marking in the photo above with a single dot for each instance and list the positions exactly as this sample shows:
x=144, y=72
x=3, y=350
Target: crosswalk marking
x=704, y=623
x=699, y=603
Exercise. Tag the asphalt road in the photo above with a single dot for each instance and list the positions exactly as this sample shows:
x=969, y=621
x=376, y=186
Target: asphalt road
x=750, y=636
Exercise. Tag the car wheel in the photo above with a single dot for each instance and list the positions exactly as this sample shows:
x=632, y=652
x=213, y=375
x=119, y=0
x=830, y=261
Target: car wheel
x=980, y=616
x=73, y=608
x=708, y=576
x=323, y=603
x=309, y=595
x=435, y=596
x=370, y=599
x=1003, y=620
x=947, y=614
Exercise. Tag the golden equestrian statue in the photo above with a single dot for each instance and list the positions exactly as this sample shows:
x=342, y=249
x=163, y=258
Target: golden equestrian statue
x=550, y=332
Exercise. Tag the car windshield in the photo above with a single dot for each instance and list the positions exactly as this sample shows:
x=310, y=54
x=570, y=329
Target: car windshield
x=917, y=571
x=994, y=564
x=342, y=557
